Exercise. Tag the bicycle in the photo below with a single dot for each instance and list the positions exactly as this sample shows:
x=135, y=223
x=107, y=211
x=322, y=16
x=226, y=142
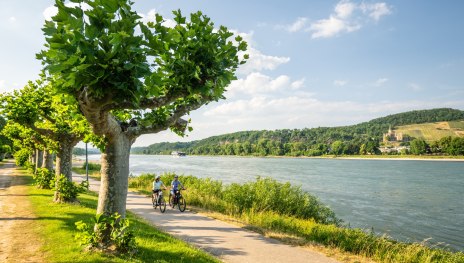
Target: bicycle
x=158, y=200
x=178, y=200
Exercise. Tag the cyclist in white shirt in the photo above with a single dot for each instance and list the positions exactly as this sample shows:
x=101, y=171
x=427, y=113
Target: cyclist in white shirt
x=157, y=185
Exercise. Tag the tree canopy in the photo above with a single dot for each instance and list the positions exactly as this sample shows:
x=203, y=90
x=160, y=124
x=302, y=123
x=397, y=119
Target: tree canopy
x=130, y=78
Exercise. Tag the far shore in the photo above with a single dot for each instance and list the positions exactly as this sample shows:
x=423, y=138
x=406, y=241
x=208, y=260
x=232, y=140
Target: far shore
x=342, y=157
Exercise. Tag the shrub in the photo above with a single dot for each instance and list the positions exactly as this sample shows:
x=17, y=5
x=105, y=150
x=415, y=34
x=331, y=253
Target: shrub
x=106, y=232
x=267, y=194
x=22, y=157
x=67, y=191
x=92, y=166
x=43, y=178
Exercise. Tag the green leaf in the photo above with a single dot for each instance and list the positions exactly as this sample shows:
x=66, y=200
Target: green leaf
x=111, y=6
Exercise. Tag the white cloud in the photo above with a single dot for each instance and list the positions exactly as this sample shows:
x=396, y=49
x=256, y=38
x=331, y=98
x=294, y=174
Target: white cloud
x=376, y=11
x=298, y=84
x=340, y=83
x=347, y=17
x=380, y=82
x=151, y=17
x=344, y=9
x=297, y=25
x=49, y=12
x=257, y=61
x=257, y=83
x=333, y=26
x=12, y=19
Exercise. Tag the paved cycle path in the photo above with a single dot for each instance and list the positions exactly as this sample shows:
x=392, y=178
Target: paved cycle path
x=228, y=242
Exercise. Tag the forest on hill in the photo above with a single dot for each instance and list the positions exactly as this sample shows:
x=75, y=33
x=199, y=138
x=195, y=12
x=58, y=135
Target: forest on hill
x=363, y=138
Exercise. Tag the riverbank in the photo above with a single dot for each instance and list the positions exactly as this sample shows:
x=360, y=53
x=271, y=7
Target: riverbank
x=347, y=157
x=263, y=215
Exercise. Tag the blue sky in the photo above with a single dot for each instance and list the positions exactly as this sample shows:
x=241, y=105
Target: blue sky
x=312, y=63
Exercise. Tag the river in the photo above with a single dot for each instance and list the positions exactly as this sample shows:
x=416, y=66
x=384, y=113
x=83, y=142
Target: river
x=408, y=200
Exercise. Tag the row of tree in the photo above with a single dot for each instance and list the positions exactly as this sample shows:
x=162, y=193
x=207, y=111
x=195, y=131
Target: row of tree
x=109, y=78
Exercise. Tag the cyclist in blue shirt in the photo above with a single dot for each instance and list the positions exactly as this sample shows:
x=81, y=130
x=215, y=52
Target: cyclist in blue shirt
x=176, y=185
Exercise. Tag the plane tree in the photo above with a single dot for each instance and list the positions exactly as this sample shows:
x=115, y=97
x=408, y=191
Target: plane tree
x=131, y=78
x=23, y=138
x=50, y=115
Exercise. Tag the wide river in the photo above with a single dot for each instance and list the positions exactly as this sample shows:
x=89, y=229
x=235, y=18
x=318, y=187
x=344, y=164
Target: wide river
x=407, y=200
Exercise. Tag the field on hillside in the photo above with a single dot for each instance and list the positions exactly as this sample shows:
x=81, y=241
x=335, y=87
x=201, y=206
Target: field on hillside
x=433, y=131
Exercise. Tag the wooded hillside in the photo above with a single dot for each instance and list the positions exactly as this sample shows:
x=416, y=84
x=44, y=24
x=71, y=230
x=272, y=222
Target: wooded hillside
x=360, y=138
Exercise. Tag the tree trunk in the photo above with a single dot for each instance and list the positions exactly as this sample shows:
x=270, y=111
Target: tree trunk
x=48, y=160
x=39, y=158
x=114, y=175
x=32, y=159
x=64, y=162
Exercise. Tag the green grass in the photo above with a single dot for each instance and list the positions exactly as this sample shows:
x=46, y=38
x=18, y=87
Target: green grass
x=56, y=222
x=94, y=170
x=212, y=195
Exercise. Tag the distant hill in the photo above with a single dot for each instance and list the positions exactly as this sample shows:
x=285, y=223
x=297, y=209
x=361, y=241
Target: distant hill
x=81, y=151
x=431, y=132
x=317, y=141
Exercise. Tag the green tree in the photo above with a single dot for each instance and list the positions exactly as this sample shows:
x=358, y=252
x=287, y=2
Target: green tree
x=5, y=143
x=53, y=117
x=337, y=147
x=418, y=146
x=131, y=79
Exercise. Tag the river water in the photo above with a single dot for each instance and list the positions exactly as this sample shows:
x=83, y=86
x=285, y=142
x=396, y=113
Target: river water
x=407, y=200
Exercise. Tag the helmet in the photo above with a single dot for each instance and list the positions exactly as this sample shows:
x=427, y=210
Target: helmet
x=176, y=176
x=157, y=177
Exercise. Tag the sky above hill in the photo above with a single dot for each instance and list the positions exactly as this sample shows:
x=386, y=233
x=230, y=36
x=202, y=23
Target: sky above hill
x=312, y=63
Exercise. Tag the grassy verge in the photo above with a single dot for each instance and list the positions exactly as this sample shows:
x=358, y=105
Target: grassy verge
x=253, y=204
x=56, y=222
x=94, y=170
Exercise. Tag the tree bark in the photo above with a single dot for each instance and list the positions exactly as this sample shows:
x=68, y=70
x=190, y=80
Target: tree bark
x=64, y=161
x=114, y=175
x=39, y=158
x=48, y=160
x=33, y=159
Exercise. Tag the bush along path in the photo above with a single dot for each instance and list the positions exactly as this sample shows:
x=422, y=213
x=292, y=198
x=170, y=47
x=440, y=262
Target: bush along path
x=228, y=242
x=19, y=240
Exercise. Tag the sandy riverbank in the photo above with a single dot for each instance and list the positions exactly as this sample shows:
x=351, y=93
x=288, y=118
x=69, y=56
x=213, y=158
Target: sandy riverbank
x=77, y=161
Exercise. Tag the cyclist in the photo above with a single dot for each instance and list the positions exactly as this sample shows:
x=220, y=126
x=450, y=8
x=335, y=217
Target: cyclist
x=175, y=186
x=157, y=184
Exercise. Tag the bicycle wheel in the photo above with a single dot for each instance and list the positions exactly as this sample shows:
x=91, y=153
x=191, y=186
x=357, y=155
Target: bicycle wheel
x=181, y=203
x=171, y=201
x=162, y=204
x=153, y=201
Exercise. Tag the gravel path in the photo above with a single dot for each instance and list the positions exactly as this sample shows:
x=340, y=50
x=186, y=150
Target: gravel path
x=19, y=241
